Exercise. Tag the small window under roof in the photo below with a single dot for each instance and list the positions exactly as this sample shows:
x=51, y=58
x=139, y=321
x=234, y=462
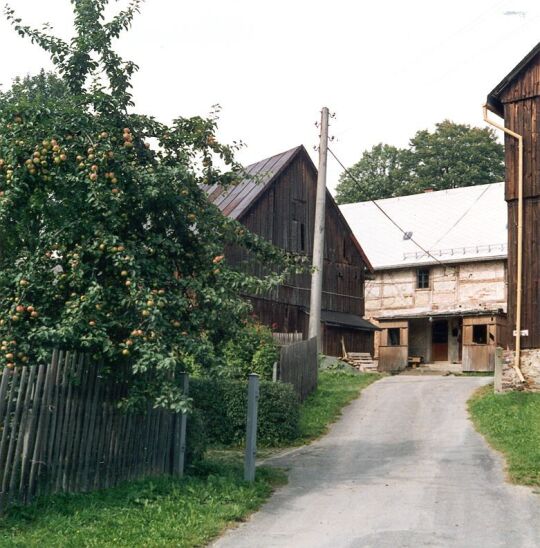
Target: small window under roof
x=407, y=235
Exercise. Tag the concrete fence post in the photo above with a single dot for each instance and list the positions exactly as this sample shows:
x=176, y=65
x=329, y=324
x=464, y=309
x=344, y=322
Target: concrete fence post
x=251, y=427
x=275, y=372
x=498, y=374
x=184, y=383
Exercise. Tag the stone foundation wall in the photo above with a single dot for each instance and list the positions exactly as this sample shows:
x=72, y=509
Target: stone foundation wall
x=506, y=378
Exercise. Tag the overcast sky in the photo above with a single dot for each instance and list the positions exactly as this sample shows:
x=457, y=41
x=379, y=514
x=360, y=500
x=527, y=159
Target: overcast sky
x=386, y=68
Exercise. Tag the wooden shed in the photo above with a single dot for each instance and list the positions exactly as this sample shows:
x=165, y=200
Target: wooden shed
x=277, y=202
x=394, y=345
x=517, y=100
x=481, y=336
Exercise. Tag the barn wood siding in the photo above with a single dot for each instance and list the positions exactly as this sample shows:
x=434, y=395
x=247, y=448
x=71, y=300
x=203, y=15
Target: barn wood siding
x=525, y=85
x=531, y=271
x=523, y=117
x=284, y=214
x=521, y=100
x=354, y=340
x=278, y=216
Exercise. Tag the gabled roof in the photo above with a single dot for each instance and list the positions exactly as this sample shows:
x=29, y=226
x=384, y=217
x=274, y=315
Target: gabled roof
x=494, y=98
x=456, y=225
x=236, y=200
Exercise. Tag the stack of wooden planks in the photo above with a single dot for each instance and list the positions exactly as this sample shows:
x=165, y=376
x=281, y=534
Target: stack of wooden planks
x=361, y=360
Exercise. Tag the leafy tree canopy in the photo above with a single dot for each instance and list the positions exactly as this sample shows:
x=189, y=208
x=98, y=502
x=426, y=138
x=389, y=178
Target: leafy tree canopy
x=379, y=172
x=454, y=155
x=107, y=242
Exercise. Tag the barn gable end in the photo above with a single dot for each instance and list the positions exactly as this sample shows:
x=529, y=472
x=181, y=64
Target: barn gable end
x=279, y=205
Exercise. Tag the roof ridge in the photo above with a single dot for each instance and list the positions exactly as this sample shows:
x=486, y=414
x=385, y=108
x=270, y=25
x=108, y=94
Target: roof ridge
x=235, y=200
x=293, y=149
x=455, y=226
x=429, y=193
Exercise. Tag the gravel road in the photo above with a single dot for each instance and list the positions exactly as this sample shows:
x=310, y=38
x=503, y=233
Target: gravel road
x=402, y=467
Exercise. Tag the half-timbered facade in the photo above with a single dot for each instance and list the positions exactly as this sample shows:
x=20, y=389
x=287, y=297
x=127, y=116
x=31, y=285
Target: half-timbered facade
x=443, y=300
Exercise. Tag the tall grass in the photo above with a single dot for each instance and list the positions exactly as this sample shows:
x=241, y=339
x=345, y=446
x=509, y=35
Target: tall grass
x=511, y=424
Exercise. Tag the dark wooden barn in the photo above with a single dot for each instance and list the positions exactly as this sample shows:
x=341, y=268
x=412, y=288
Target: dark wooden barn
x=277, y=202
x=517, y=100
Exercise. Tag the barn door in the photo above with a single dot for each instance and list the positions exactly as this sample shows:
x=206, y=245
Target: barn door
x=439, y=340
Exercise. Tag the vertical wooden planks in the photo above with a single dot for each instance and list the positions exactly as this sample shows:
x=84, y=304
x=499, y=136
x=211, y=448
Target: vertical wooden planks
x=298, y=366
x=59, y=437
x=81, y=404
x=30, y=434
x=10, y=453
x=14, y=490
x=62, y=430
x=8, y=432
x=88, y=435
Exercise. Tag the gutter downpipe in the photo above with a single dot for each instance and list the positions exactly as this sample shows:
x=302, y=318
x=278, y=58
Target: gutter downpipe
x=519, y=275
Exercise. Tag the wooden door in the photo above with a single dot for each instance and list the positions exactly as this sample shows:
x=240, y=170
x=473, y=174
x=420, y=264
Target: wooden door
x=439, y=341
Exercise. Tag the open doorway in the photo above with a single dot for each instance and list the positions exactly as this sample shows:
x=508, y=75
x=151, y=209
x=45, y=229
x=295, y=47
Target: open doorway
x=439, y=341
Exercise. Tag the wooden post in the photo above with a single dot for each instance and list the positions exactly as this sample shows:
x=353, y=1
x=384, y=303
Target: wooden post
x=318, y=236
x=182, y=430
x=251, y=427
x=499, y=362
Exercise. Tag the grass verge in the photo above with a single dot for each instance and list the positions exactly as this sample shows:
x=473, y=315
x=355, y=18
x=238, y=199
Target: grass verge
x=170, y=512
x=335, y=390
x=152, y=512
x=511, y=424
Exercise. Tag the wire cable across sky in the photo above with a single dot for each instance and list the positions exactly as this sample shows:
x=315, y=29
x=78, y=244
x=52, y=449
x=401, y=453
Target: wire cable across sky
x=404, y=232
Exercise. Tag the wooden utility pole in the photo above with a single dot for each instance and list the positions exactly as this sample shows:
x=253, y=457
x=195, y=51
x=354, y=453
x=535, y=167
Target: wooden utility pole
x=318, y=236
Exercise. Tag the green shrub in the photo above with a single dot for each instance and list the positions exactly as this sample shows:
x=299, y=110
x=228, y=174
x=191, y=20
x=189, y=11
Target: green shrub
x=196, y=438
x=223, y=407
x=252, y=350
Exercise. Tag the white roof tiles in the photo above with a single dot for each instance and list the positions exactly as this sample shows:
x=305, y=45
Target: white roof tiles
x=456, y=225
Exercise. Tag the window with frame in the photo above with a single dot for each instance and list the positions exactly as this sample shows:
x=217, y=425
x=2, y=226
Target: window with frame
x=480, y=334
x=394, y=338
x=422, y=278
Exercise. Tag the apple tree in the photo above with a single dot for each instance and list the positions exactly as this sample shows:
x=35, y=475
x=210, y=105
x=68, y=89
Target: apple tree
x=108, y=244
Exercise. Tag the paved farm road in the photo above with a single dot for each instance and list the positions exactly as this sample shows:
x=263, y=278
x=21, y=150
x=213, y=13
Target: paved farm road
x=403, y=467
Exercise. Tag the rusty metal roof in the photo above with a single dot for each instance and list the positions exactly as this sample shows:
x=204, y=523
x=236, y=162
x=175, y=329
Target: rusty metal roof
x=236, y=200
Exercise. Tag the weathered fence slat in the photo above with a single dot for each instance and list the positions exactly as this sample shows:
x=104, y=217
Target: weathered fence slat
x=7, y=429
x=298, y=366
x=82, y=461
x=3, y=393
x=39, y=460
x=10, y=456
x=60, y=394
x=61, y=430
x=14, y=492
x=284, y=339
x=81, y=409
x=28, y=449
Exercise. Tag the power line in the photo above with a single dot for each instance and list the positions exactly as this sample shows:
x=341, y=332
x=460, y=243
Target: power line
x=462, y=216
x=404, y=232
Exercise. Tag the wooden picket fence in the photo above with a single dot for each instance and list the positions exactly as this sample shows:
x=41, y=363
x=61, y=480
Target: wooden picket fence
x=284, y=339
x=298, y=366
x=61, y=431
